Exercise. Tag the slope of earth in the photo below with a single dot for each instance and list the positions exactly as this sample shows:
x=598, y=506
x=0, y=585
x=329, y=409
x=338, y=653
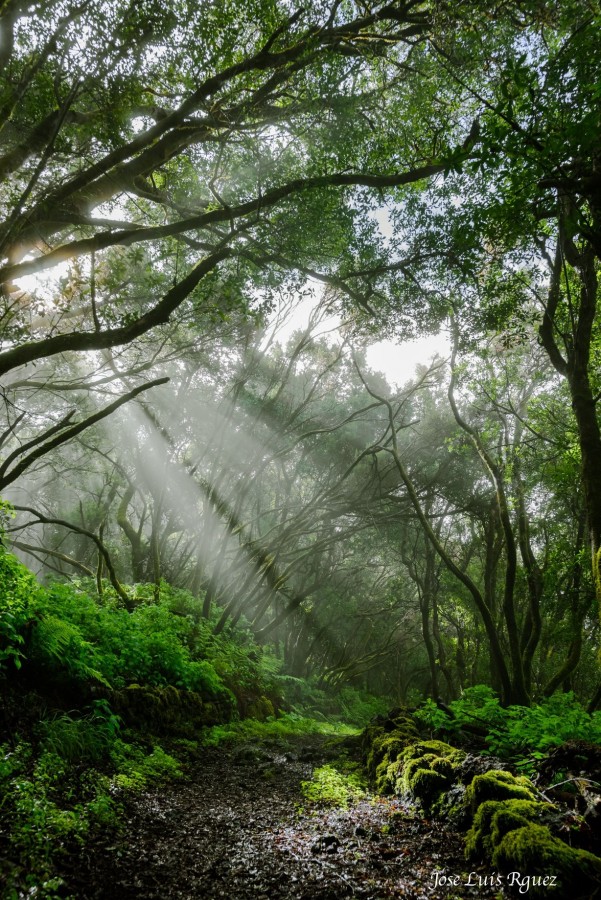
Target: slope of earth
x=239, y=828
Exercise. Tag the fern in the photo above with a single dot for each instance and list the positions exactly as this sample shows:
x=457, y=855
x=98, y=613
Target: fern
x=57, y=643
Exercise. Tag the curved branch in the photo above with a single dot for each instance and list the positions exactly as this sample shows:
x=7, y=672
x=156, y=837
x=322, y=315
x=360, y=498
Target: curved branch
x=45, y=520
x=136, y=234
x=7, y=478
x=31, y=548
x=113, y=337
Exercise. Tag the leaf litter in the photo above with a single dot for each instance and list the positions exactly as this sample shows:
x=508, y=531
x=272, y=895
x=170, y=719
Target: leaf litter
x=238, y=827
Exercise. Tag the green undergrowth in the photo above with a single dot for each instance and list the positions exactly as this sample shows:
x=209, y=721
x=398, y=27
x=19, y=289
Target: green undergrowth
x=68, y=634
x=348, y=704
x=99, y=700
x=281, y=729
x=521, y=735
x=61, y=788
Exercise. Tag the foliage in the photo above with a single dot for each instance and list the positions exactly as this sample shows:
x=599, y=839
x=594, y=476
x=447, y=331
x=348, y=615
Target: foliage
x=332, y=787
x=519, y=734
x=18, y=589
x=286, y=726
x=56, y=795
x=88, y=740
x=357, y=706
x=66, y=628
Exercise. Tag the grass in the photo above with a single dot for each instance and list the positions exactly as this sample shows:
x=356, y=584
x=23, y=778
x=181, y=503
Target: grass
x=285, y=727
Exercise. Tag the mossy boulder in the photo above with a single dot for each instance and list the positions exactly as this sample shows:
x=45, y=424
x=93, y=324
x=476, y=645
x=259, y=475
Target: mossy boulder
x=509, y=829
x=262, y=708
x=369, y=736
x=428, y=769
x=383, y=741
x=402, y=722
x=496, y=818
x=532, y=850
x=498, y=785
x=384, y=751
x=510, y=824
x=168, y=710
x=450, y=805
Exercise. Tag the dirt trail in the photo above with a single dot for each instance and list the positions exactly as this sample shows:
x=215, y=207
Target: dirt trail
x=233, y=830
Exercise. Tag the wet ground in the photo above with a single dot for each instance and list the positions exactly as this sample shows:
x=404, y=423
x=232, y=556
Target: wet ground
x=239, y=828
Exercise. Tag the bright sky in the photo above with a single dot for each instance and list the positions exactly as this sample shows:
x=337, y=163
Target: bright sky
x=397, y=360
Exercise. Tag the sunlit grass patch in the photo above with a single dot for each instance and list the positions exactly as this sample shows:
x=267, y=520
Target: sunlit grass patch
x=284, y=727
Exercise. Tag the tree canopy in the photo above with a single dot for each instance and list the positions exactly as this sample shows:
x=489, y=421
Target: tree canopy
x=173, y=179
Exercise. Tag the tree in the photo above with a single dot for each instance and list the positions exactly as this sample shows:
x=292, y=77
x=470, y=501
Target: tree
x=523, y=200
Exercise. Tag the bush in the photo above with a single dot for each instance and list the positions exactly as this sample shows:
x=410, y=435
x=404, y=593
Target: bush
x=519, y=734
x=358, y=707
x=53, y=797
x=88, y=740
x=154, y=644
x=18, y=590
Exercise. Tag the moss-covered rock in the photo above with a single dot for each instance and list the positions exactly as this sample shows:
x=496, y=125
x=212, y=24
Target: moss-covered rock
x=168, y=710
x=369, y=736
x=498, y=785
x=428, y=769
x=533, y=851
x=426, y=785
x=404, y=723
x=495, y=818
x=382, y=743
x=509, y=830
x=509, y=823
x=261, y=709
x=450, y=805
x=436, y=748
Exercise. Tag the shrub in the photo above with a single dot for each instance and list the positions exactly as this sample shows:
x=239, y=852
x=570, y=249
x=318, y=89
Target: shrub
x=518, y=734
x=18, y=589
x=87, y=740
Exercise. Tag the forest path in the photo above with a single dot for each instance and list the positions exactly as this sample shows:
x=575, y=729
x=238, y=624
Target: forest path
x=233, y=830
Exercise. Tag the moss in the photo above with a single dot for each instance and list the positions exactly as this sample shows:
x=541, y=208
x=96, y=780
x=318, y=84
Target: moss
x=428, y=769
x=370, y=735
x=260, y=709
x=384, y=781
x=383, y=741
x=405, y=725
x=330, y=786
x=393, y=773
x=166, y=710
x=495, y=818
x=436, y=748
x=413, y=763
x=498, y=785
x=444, y=766
x=425, y=785
x=385, y=749
x=532, y=849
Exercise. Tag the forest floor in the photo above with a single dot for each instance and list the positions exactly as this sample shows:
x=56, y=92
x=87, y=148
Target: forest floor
x=239, y=827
